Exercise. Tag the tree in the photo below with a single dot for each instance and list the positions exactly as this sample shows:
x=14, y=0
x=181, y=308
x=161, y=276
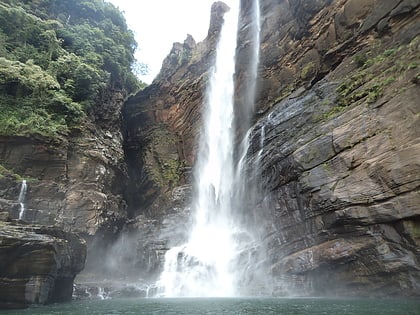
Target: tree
x=56, y=60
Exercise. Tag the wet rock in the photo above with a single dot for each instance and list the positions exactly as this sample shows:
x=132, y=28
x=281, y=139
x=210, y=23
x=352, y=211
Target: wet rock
x=38, y=264
x=334, y=138
x=162, y=122
x=4, y=216
x=112, y=290
x=77, y=181
x=340, y=216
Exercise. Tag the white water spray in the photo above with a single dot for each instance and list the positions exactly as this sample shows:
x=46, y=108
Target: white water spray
x=205, y=266
x=255, y=57
x=251, y=84
x=21, y=199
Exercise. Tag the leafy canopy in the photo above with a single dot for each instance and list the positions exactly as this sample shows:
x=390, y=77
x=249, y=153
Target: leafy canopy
x=56, y=60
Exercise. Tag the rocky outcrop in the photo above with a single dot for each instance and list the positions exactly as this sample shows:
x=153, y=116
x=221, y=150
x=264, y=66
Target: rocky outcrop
x=77, y=181
x=333, y=159
x=339, y=152
x=37, y=264
x=333, y=139
x=162, y=124
x=135, y=259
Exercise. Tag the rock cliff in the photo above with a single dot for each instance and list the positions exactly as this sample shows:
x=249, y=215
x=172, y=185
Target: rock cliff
x=334, y=139
x=161, y=124
x=76, y=184
x=340, y=147
x=37, y=264
x=77, y=181
x=333, y=158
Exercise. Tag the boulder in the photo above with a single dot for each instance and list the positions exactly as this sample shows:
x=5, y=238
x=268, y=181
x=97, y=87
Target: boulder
x=38, y=264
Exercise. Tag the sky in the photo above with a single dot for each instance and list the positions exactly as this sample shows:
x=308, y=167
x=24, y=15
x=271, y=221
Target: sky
x=157, y=24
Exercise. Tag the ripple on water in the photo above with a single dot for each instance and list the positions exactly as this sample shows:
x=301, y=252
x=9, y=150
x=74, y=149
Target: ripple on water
x=210, y=306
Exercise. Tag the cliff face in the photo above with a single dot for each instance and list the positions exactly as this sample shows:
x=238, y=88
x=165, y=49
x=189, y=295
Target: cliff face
x=55, y=258
x=76, y=182
x=340, y=146
x=337, y=83
x=334, y=139
x=63, y=79
x=161, y=124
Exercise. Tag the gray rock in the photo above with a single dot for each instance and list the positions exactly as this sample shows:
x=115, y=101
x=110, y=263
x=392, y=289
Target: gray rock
x=38, y=264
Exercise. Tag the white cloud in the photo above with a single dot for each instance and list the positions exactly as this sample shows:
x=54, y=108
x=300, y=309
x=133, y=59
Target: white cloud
x=157, y=24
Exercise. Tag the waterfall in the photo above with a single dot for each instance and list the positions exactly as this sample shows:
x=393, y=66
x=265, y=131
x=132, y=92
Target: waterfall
x=254, y=60
x=21, y=199
x=248, y=101
x=206, y=265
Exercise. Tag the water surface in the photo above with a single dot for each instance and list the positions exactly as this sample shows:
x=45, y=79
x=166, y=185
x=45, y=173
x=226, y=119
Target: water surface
x=217, y=306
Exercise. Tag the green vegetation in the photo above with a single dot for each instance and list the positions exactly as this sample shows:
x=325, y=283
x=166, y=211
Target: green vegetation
x=360, y=59
x=308, y=71
x=185, y=56
x=171, y=171
x=56, y=60
x=374, y=75
x=3, y=171
x=6, y=172
x=375, y=72
x=166, y=168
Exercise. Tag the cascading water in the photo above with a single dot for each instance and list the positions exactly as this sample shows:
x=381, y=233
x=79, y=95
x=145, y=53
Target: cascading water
x=21, y=199
x=248, y=103
x=206, y=265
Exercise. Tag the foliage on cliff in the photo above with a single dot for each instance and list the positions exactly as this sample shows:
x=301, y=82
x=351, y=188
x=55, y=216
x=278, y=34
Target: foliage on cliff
x=56, y=59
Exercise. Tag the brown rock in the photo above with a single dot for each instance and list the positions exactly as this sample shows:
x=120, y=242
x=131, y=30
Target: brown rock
x=336, y=105
x=90, y=162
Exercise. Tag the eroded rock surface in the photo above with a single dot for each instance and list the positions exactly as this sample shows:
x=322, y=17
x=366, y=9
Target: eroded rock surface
x=162, y=124
x=339, y=162
x=77, y=181
x=334, y=152
x=37, y=264
x=334, y=140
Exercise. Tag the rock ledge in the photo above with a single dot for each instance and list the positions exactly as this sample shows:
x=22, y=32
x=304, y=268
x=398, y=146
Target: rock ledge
x=38, y=264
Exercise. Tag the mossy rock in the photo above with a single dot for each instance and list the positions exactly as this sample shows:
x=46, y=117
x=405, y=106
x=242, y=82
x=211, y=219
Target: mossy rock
x=308, y=71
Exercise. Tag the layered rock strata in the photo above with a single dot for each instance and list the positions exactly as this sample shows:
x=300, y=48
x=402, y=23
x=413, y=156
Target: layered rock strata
x=76, y=181
x=161, y=124
x=334, y=140
x=333, y=153
x=339, y=163
x=37, y=264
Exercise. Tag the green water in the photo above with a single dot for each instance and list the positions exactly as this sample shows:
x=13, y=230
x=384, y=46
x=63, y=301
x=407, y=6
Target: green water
x=216, y=306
